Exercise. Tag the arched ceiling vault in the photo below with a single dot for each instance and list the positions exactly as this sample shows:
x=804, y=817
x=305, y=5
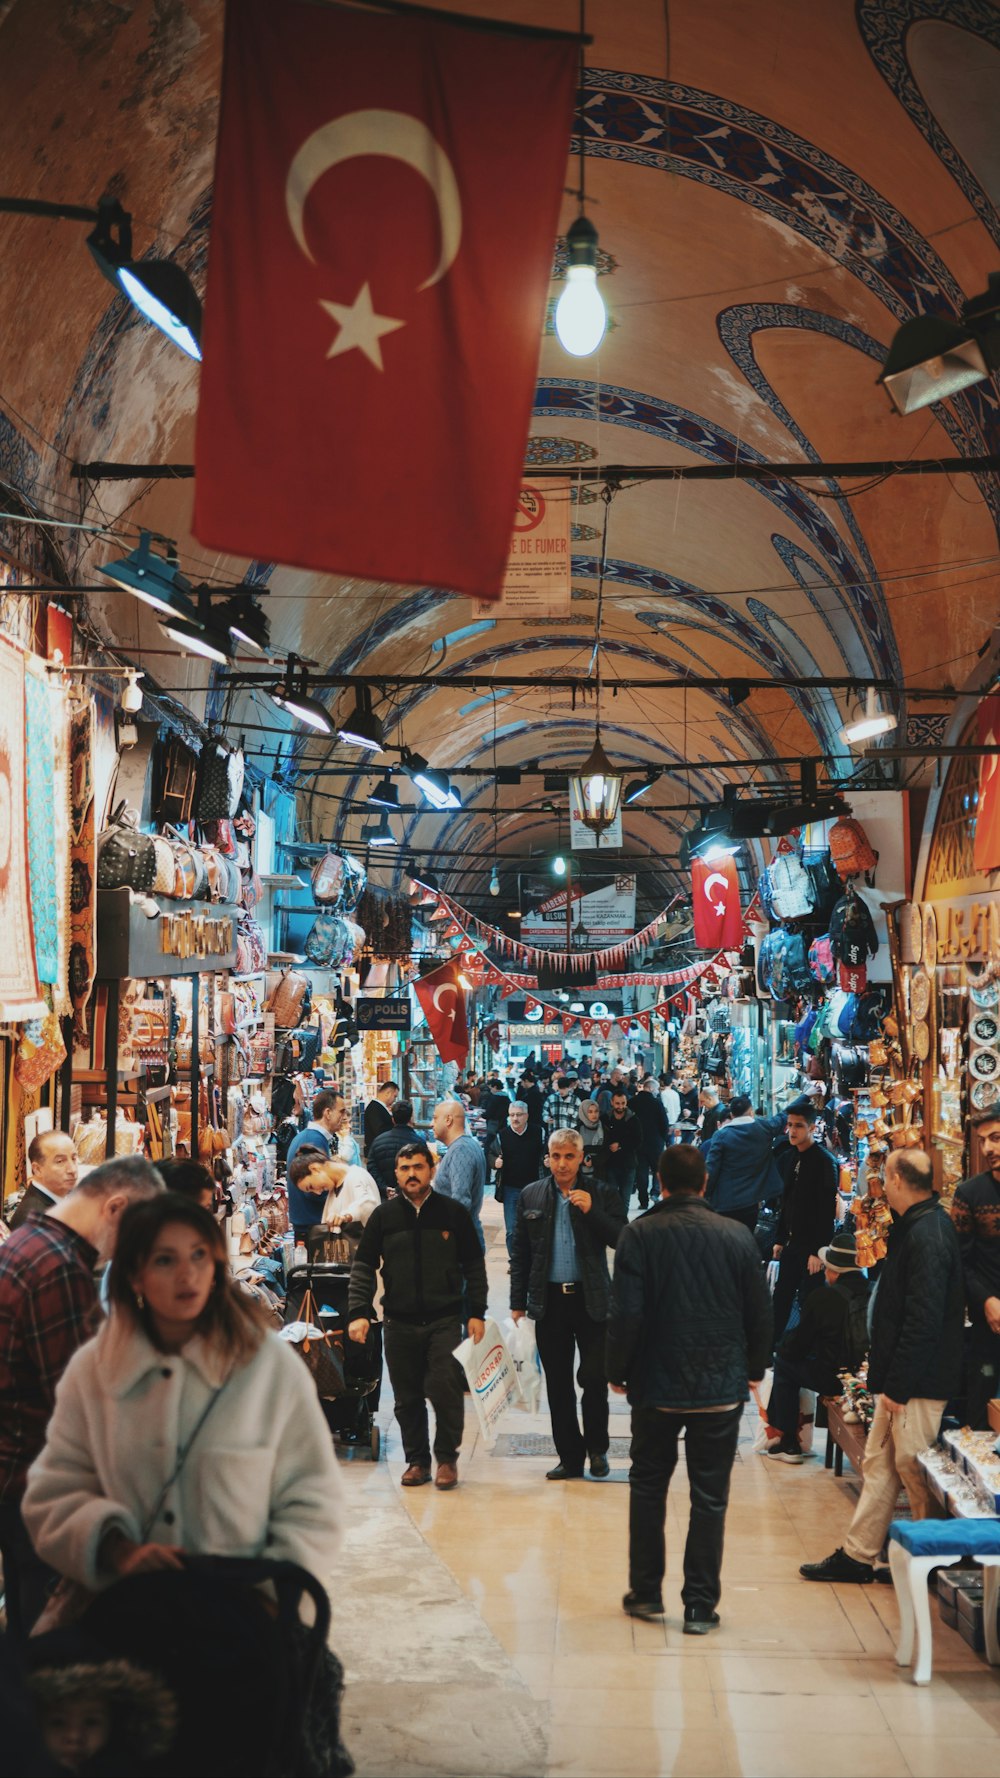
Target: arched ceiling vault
x=775, y=191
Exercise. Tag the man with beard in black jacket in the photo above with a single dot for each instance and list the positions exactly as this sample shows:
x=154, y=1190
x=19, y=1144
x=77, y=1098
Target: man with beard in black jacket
x=689, y=1329
x=647, y=1106
x=914, y=1366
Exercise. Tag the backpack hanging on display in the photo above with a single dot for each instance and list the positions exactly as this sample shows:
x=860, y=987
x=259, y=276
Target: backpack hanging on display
x=328, y=879
x=126, y=858
x=289, y=999
x=822, y=963
x=827, y=887
x=852, y=930
x=850, y=851
x=211, y=797
x=791, y=887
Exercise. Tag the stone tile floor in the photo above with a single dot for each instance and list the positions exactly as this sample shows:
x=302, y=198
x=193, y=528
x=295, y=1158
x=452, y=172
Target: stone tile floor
x=482, y=1633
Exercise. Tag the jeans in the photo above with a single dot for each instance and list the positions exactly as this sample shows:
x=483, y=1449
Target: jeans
x=27, y=1580
x=791, y=1375
x=422, y=1368
x=624, y=1184
x=511, y=1199
x=710, y=1442
x=794, y=1279
x=564, y=1329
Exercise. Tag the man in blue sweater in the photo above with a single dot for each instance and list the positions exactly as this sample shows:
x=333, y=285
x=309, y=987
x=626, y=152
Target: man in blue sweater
x=742, y=1171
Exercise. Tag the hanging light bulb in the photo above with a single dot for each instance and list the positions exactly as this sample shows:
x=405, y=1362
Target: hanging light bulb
x=494, y=882
x=581, y=318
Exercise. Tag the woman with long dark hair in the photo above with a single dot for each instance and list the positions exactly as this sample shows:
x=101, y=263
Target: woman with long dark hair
x=184, y=1427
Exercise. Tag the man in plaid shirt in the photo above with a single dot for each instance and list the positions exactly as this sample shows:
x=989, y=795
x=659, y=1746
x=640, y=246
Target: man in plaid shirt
x=49, y=1307
x=560, y=1108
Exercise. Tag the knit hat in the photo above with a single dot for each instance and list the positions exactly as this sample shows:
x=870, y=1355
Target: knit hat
x=841, y=1255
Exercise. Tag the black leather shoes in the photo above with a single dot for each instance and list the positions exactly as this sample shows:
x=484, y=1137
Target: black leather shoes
x=647, y=1608
x=698, y=1620
x=562, y=1474
x=599, y=1465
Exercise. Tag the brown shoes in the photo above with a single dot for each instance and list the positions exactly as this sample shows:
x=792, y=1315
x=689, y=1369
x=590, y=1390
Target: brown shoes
x=447, y=1476
x=415, y=1476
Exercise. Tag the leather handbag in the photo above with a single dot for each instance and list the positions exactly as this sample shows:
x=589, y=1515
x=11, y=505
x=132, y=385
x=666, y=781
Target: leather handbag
x=211, y=799
x=324, y=1356
x=328, y=878
x=166, y=876
x=126, y=858
x=289, y=999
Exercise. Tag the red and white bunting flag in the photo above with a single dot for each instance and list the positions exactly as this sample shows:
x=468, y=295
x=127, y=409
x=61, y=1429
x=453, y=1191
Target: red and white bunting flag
x=642, y=1018
x=531, y=1005
x=568, y=1021
x=452, y=931
x=604, y=1026
x=507, y=990
x=586, y=1026
x=624, y=1026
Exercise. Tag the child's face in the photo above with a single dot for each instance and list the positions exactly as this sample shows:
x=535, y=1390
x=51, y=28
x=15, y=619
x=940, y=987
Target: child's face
x=75, y=1729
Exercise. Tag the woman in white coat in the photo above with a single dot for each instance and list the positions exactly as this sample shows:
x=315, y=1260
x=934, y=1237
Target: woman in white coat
x=184, y=1427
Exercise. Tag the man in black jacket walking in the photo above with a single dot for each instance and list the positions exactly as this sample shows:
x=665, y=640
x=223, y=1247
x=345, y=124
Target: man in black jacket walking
x=914, y=1366
x=689, y=1328
x=559, y=1276
x=428, y=1247
x=516, y=1155
x=808, y=1213
x=647, y=1107
x=622, y=1145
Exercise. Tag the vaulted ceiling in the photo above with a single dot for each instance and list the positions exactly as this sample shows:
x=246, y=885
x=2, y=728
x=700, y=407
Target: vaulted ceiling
x=776, y=187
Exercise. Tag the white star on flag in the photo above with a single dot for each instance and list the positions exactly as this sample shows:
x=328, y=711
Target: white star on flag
x=360, y=327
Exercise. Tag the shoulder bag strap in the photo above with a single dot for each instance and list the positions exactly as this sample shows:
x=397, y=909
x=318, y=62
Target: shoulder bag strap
x=182, y=1457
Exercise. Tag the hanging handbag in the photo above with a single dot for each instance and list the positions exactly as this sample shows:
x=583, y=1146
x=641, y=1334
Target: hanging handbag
x=289, y=999
x=211, y=797
x=165, y=882
x=324, y=1356
x=126, y=858
x=328, y=878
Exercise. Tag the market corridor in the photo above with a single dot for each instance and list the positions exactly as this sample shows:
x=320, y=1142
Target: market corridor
x=482, y=1632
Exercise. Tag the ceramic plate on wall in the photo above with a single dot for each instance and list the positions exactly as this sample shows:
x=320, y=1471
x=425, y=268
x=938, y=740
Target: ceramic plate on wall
x=983, y=1093
x=930, y=939
x=920, y=1039
x=920, y=994
x=985, y=1027
x=984, y=1065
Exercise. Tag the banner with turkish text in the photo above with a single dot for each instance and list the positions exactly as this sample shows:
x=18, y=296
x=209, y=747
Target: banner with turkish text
x=384, y=217
x=718, y=917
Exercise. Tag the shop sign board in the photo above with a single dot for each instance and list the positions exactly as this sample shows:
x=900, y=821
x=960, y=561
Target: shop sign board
x=968, y=929
x=537, y=581
x=516, y=1033
x=607, y=914
x=389, y=1014
x=583, y=838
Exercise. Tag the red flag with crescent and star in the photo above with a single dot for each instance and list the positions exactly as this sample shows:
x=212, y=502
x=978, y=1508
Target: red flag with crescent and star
x=718, y=917
x=384, y=217
x=443, y=1000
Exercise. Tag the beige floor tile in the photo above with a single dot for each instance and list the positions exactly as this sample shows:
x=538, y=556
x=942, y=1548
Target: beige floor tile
x=594, y=1635
x=821, y=1749
x=793, y=1675
x=938, y=1710
x=520, y=1638
x=536, y=1670
x=677, y=1671
x=659, y=1707
x=944, y=1757
x=637, y=1753
x=800, y=1718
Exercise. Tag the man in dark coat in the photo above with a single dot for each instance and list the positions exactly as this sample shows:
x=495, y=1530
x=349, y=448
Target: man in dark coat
x=516, y=1155
x=975, y=1211
x=559, y=1276
x=531, y=1095
x=378, y=1112
x=622, y=1145
x=381, y=1157
x=808, y=1213
x=914, y=1366
x=647, y=1106
x=690, y=1327
x=830, y=1336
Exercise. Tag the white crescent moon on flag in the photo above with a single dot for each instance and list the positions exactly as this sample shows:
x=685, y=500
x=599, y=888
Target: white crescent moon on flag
x=445, y=988
x=716, y=877
x=390, y=133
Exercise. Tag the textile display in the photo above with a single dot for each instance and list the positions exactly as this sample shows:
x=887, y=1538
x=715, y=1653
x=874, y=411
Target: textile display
x=83, y=866
x=361, y=252
x=62, y=1003
x=20, y=996
x=40, y=1053
x=43, y=858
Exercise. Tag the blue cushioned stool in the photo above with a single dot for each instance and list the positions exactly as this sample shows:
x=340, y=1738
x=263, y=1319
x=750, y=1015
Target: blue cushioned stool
x=917, y=1547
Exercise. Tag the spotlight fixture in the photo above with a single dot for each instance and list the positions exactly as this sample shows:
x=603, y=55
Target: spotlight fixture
x=379, y=835
x=131, y=698
x=245, y=620
x=872, y=722
x=596, y=790
x=513, y=913
x=932, y=358
x=639, y=787
x=384, y=796
x=435, y=785
x=156, y=580
x=581, y=317
x=494, y=881
x=297, y=701
x=362, y=727
x=159, y=289
x=200, y=634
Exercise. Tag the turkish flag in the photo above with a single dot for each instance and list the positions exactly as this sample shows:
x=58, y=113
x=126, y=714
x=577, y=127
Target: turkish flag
x=987, y=843
x=718, y=917
x=443, y=999
x=384, y=219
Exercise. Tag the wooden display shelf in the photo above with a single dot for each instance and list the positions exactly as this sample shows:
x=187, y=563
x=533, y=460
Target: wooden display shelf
x=99, y=1076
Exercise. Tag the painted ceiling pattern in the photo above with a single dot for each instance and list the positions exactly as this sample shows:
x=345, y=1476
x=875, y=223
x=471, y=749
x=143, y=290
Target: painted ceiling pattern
x=757, y=251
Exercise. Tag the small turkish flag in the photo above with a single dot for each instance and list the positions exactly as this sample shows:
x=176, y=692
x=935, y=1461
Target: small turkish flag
x=384, y=218
x=718, y=917
x=443, y=999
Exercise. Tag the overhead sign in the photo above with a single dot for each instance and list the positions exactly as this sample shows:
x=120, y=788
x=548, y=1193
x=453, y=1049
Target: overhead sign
x=606, y=915
x=390, y=1014
x=537, y=582
x=533, y=1031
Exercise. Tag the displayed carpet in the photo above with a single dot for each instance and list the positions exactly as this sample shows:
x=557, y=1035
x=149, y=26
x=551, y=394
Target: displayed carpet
x=42, y=857
x=83, y=867
x=19, y=989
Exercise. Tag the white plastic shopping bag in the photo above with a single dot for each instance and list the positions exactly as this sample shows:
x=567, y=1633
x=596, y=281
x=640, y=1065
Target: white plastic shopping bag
x=761, y=1393
x=523, y=1348
x=493, y=1382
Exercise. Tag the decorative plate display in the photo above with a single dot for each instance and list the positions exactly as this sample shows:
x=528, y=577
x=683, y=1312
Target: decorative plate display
x=984, y=1065
x=920, y=994
x=983, y=1093
x=920, y=1039
x=912, y=933
x=986, y=994
x=930, y=939
x=985, y=1028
